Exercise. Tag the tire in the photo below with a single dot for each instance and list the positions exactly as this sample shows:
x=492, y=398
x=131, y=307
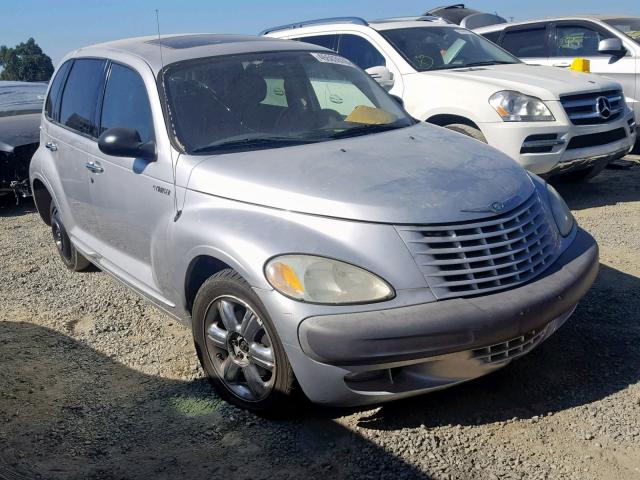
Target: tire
x=467, y=130
x=582, y=175
x=71, y=258
x=235, y=340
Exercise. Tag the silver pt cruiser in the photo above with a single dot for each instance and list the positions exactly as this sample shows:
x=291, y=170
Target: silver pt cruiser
x=274, y=197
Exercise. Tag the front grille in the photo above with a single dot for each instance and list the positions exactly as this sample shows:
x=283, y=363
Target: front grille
x=514, y=348
x=582, y=109
x=486, y=255
x=597, y=139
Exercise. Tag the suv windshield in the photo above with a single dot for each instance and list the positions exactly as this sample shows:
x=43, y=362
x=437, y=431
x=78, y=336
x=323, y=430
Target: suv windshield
x=21, y=97
x=439, y=48
x=276, y=99
x=629, y=26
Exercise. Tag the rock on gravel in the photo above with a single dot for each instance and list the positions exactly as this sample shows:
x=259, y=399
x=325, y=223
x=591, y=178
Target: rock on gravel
x=95, y=383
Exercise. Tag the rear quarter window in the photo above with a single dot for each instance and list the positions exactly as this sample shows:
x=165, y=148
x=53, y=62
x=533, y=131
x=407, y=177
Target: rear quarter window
x=80, y=96
x=52, y=105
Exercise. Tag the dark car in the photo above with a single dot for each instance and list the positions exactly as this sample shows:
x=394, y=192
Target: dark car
x=20, y=110
x=465, y=17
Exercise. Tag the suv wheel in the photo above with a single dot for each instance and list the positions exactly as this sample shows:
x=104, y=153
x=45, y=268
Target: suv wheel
x=238, y=346
x=71, y=258
x=467, y=130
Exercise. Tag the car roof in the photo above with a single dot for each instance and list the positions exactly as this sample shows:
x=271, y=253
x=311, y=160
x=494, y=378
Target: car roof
x=394, y=23
x=167, y=49
x=588, y=16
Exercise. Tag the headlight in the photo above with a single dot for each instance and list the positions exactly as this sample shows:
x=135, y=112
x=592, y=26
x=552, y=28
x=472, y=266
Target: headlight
x=518, y=107
x=560, y=211
x=308, y=278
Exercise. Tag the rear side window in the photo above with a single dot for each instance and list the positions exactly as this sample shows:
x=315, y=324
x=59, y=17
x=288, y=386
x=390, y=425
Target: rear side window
x=524, y=43
x=327, y=41
x=126, y=104
x=360, y=52
x=80, y=97
x=52, y=105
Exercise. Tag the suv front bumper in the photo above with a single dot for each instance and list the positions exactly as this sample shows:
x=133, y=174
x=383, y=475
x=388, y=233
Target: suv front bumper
x=559, y=155
x=369, y=357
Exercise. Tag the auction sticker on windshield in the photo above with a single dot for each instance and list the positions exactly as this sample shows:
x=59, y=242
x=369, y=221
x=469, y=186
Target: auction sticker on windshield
x=329, y=58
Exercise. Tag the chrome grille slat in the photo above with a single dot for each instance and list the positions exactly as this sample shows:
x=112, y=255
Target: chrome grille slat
x=486, y=255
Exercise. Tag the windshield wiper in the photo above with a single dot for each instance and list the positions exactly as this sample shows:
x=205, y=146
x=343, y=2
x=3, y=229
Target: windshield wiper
x=486, y=63
x=364, y=130
x=250, y=142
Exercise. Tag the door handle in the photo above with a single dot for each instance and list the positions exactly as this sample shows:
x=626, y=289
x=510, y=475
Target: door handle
x=51, y=146
x=94, y=167
x=562, y=65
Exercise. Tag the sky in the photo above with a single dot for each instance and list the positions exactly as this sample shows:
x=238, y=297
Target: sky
x=61, y=26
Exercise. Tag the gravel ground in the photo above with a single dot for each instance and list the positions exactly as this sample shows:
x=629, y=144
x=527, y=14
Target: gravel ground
x=95, y=383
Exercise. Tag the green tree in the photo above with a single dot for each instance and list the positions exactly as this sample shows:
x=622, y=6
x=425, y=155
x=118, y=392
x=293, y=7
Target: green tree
x=26, y=62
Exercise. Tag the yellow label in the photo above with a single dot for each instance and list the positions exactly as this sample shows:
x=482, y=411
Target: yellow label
x=581, y=65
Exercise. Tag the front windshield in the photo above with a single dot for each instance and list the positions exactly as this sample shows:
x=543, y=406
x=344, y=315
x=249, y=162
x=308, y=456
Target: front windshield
x=21, y=97
x=440, y=48
x=266, y=100
x=629, y=26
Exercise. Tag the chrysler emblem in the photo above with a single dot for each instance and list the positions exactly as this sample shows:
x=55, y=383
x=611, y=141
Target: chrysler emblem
x=495, y=207
x=603, y=107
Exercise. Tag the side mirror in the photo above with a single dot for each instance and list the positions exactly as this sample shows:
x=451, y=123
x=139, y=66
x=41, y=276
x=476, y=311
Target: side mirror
x=382, y=75
x=125, y=142
x=611, y=46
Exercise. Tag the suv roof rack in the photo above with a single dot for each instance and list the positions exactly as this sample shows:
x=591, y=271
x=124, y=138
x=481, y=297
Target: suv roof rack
x=319, y=21
x=420, y=18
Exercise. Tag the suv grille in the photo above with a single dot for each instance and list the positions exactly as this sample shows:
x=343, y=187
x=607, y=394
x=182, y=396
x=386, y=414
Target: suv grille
x=583, y=109
x=487, y=255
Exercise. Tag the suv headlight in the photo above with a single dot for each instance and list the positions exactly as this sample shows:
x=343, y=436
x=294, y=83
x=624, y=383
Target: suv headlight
x=561, y=213
x=518, y=107
x=313, y=279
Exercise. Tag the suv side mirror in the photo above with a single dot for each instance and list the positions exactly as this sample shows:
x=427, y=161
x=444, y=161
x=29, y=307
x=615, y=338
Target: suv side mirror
x=125, y=142
x=611, y=46
x=382, y=75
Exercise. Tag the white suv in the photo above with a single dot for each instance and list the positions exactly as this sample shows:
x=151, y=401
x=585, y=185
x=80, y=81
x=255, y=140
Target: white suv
x=549, y=120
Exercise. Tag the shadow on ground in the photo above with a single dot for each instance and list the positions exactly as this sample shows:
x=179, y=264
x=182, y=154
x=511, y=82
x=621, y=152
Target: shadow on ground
x=594, y=355
x=612, y=186
x=9, y=208
x=68, y=411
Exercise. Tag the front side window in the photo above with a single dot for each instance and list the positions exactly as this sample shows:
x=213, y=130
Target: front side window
x=268, y=100
x=126, y=104
x=360, y=51
x=577, y=41
x=526, y=42
x=629, y=26
x=80, y=96
x=440, y=48
x=52, y=105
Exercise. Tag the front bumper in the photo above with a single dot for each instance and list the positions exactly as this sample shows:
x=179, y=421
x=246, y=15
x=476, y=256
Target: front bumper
x=560, y=154
x=375, y=356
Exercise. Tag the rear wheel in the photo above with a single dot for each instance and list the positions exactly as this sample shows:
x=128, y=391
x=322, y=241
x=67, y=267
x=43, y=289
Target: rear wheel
x=71, y=258
x=239, y=347
x=467, y=130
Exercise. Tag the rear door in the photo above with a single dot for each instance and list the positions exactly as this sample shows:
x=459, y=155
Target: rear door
x=529, y=43
x=72, y=135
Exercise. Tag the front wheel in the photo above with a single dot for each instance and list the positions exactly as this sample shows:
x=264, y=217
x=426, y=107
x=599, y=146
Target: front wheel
x=71, y=258
x=238, y=346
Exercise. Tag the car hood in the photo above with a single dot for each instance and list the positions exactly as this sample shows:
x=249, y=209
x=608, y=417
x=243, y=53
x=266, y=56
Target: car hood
x=18, y=130
x=413, y=175
x=546, y=83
